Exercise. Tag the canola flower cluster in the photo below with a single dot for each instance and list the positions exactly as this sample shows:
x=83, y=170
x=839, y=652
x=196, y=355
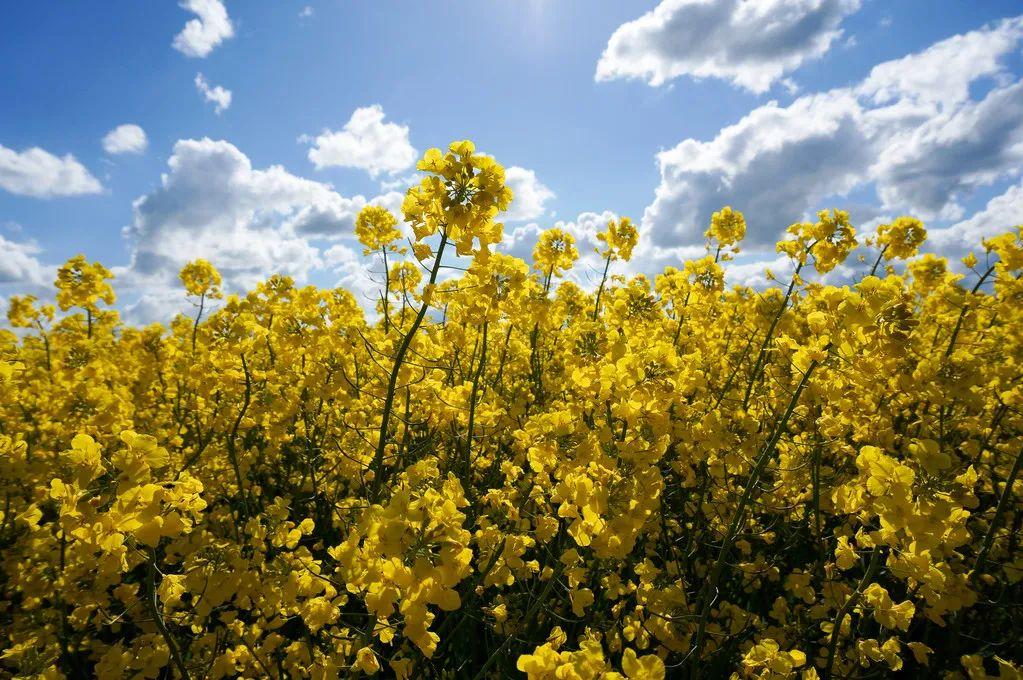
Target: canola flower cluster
x=501, y=474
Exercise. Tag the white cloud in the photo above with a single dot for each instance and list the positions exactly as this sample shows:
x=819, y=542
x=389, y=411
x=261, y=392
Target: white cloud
x=38, y=173
x=211, y=27
x=583, y=228
x=22, y=273
x=357, y=274
x=365, y=142
x=588, y=269
x=249, y=223
x=217, y=94
x=921, y=147
x=772, y=165
x=942, y=73
x=999, y=215
x=127, y=138
x=753, y=273
x=155, y=303
x=335, y=217
x=749, y=43
x=929, y=167
x=401, y=183
x=213, y=204
x=306, y=12
x=19, y=264
x=530, y=195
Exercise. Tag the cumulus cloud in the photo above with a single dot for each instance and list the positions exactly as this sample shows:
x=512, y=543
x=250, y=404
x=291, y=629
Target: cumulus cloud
x=932, y=165
x=365, y=142
x=38, y=173
x=584, y=228
x=942, y=73
x=530, y=195
x=20, y=264
x=751, y=44
x=588, y=269
x=336, y=217
x=127, y=138
x=357, y=274
x=250, y=223
x=999, y=215
x=220, y=96
x=768, y=165
x=211, y=27
x=213, y=203
x=153, y=303
x=921, y=148
x=753, y=273
x=401, y=183
x=22, y=273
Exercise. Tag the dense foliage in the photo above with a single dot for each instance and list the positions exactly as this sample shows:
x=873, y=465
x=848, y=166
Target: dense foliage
x=500, y=473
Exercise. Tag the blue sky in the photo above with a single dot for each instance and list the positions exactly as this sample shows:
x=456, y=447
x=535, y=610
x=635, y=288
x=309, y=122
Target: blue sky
x=776, y=111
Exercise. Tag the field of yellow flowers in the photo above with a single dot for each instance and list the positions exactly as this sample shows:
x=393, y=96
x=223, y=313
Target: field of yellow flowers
x=504, y=475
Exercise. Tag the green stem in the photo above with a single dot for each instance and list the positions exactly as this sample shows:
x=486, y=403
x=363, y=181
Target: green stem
x=762, y=354
x=232, y=450
x=962, y=312
x=467, y=459
x=710, y=587
x=154, y=606
x=868, y=576
x=387, y=290
x=399, y=359
x=878, y=260
x=195, y=326
x=600, y=291
x=1003, y=502
x=530, y=615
